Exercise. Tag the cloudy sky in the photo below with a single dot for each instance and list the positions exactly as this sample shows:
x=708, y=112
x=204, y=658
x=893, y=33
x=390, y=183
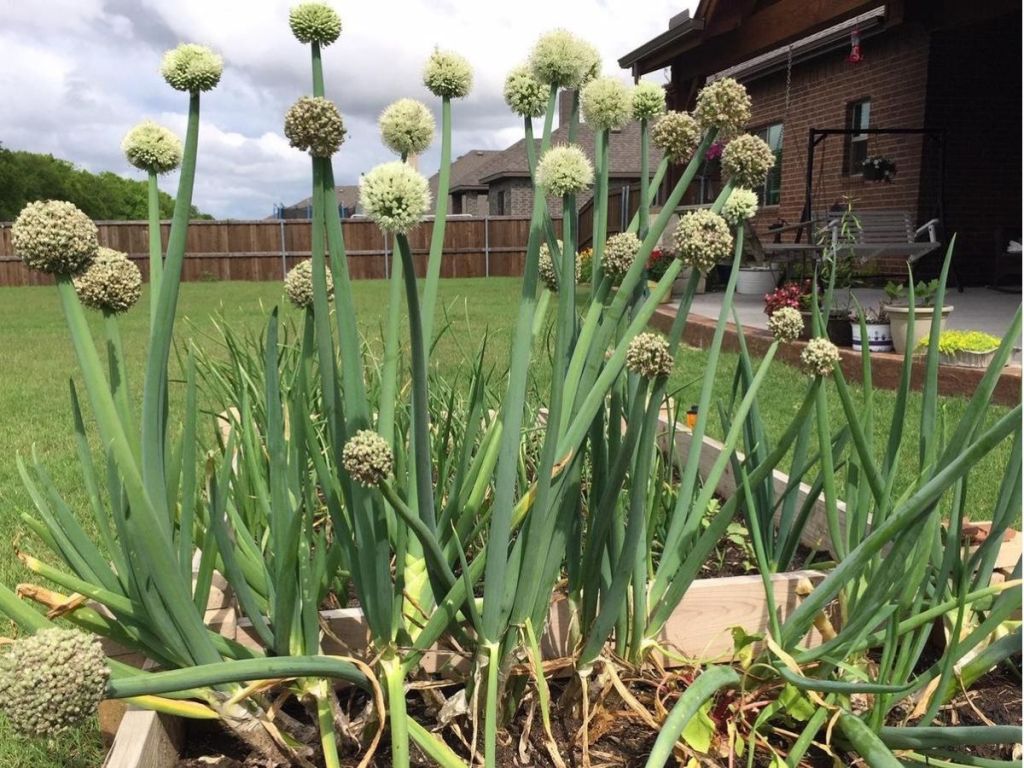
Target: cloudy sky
x=77, y=74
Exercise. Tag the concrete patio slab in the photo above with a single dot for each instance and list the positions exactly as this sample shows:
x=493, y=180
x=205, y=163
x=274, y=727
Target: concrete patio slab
x=975, y=309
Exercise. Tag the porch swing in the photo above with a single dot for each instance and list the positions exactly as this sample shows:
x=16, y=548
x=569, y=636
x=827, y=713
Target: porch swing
x=882, y=232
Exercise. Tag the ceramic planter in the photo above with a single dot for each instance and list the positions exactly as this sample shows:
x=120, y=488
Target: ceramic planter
x=679, y=284
x=902, y=335
x=837, y=328
x=756, y=280
x=879, y=337
x=968, y=359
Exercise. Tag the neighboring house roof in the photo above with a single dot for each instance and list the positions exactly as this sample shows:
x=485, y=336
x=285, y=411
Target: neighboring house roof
x=347, y=194
x=623, y=154
x=465, y=172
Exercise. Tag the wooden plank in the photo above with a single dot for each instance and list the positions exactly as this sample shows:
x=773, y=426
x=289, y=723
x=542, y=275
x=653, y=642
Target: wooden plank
x=146, y=739
x=815, y=533
x=699, y=628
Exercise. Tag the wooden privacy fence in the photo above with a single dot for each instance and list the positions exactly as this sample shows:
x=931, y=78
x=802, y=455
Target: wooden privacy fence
x=494, y=246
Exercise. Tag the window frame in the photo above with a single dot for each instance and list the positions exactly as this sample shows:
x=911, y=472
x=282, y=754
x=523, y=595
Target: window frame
x=772, y=186
x=856, y=144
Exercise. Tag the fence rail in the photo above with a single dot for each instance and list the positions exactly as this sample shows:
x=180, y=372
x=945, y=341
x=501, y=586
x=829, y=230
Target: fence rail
x=263, y=250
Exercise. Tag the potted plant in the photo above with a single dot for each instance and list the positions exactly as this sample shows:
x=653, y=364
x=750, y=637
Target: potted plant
x=679, y=284
x=837, y=325
x=756, y=279
x=878, y=169
x=971, y=349
x=789, y=295
x=898, y=309
x=879, y=332
x=657, y=264
x=585, y=261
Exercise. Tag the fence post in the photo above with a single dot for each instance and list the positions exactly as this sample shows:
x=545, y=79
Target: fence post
x=487, y=246
x=284, y=256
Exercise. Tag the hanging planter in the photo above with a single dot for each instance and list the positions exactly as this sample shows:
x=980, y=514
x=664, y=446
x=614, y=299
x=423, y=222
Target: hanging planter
x=878, y=169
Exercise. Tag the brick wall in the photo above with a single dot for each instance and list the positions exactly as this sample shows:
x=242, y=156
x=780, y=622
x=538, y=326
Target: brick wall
x=521, y=192
x=893, y=75
x=519, y=195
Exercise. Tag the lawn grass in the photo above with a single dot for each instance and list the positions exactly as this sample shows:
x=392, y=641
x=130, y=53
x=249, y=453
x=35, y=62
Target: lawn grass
x=37, y=361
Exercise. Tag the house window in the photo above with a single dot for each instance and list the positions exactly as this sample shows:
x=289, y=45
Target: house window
x=858, y=118
x=502, y=202
x=456, y=204
x=771, y=190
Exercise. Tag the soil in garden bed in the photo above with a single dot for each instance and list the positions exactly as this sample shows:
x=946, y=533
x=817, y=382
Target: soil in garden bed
x=618, y=735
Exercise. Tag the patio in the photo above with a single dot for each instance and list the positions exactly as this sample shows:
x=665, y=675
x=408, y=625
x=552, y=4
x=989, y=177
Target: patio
x=975, y=309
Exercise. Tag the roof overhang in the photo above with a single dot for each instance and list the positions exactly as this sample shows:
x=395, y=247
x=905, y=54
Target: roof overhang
x=836, y=36
x=658, y=52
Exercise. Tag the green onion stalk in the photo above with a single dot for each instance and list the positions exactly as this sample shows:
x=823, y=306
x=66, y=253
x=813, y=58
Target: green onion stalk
x=156, y=256
x=356, y=511
x=906, y=570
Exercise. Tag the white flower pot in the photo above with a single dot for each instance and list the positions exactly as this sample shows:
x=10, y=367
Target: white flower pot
x=902, y=336
x=879, y=337
x=756, y=281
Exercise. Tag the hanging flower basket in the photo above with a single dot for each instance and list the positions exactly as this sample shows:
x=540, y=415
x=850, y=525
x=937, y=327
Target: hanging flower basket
x=878, y=169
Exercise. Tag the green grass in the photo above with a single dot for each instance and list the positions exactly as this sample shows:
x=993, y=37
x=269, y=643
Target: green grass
x=38, y=361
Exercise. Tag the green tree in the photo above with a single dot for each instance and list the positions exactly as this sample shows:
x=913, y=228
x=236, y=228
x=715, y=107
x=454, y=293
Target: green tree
x=28, y=176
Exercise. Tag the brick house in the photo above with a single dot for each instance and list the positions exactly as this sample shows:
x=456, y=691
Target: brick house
x=507, y=173
x=467, y=194
x=348, y=202
x=952, y=68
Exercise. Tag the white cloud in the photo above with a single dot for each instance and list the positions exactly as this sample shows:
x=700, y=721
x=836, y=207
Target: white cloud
x=77, y=74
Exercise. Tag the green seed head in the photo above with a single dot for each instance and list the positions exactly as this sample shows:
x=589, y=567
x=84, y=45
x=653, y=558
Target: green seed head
x=52, y=681
x=741, y=206
x=54, y=236
x=314, y=23
x=702, y=240
x=395, y=196
x=546, y=267
x=192, y=68
x=111, y=283
x=746, y=161
x=606, y=103
x=786, y=324
x=298, y=284
x=724, y=105
x=524, y=93
x=677, y=135
x=562, y=60
x=151, y=147
x=367, y=457
x=648, y=100
x=313, y=124
x=619, y=254
x=448, y=75
x=820, y=357
x=648, y=355
x=564, y=170
x=407, y=127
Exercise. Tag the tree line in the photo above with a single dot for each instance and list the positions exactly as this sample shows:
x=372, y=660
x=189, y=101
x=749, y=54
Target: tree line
x=28, y=176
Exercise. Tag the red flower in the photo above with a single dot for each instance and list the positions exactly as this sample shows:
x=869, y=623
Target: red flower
x=786, y=295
